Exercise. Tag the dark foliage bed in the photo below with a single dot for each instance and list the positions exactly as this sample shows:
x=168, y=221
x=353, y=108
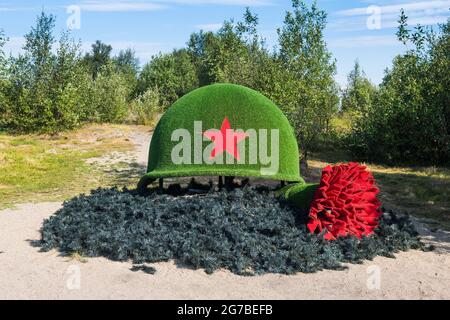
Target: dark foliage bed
x=248, y=231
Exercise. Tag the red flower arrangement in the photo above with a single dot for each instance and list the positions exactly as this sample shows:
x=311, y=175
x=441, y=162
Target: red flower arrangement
x=345, y=203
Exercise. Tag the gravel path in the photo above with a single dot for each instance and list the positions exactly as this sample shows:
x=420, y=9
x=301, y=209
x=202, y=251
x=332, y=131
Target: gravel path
x=26, y=273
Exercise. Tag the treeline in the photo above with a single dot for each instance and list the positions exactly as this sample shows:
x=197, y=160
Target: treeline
x=52, y=87
x=407, y=118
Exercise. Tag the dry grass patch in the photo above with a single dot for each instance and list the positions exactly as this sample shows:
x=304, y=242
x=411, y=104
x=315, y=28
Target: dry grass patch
x=53, y=167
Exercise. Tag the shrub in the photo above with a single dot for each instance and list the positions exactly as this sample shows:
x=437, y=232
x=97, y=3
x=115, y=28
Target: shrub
x=47, y=91
x=109, y=97
x=4, y=87
x=145, y=108
x=409, y=120
x=42, y=89
x=173, y=74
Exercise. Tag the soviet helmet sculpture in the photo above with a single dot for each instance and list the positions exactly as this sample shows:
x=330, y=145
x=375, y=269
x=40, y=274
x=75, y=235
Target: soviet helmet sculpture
x=223, y=130
x=233, y=131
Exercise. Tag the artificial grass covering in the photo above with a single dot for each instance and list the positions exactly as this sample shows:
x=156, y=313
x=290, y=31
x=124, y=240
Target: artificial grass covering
x=245, y=109
x=300, y=195
x=247, y=231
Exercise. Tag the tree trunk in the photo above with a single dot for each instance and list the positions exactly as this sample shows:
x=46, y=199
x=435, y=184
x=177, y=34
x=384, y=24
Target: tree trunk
x=304, y=162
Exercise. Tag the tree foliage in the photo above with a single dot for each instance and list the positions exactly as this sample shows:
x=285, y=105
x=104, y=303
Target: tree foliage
x=3, y=40
x=45, y=88
x=358, y=97
x=99, y=56
x=409, y=119
x=128, y=66
x=51, y=87
x=308, y=93
x=145, y=108
x=4, y=83
x=231, y=54
x=173, y=75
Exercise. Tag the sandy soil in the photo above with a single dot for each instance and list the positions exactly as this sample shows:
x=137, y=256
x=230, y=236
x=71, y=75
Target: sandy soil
x=26, y=273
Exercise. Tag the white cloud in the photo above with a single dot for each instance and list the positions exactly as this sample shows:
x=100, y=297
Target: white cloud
x=427, y=7
x=424, y=13
x=250, y=3
x=14, y=45
x=363, y=41
x=209, y=26
x=386, y=23
x=119, y=6
x=10, y=8
x=142, y=5
x=427, y=20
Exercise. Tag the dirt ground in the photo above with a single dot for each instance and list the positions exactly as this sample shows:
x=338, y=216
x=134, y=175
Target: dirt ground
x=26, y=273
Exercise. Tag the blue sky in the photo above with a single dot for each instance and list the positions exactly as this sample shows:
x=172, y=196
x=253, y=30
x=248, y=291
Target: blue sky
x=357, y=29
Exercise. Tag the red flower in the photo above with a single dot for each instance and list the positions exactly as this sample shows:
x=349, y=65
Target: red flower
x=345, y=203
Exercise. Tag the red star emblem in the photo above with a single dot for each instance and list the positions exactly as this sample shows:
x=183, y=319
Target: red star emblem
x=222, y=140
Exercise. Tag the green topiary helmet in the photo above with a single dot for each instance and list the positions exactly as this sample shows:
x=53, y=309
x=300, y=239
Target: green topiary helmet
x=191, y=137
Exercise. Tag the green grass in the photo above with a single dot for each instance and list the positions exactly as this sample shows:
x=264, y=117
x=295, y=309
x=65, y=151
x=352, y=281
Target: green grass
x=49, y=168
x=421, y=191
